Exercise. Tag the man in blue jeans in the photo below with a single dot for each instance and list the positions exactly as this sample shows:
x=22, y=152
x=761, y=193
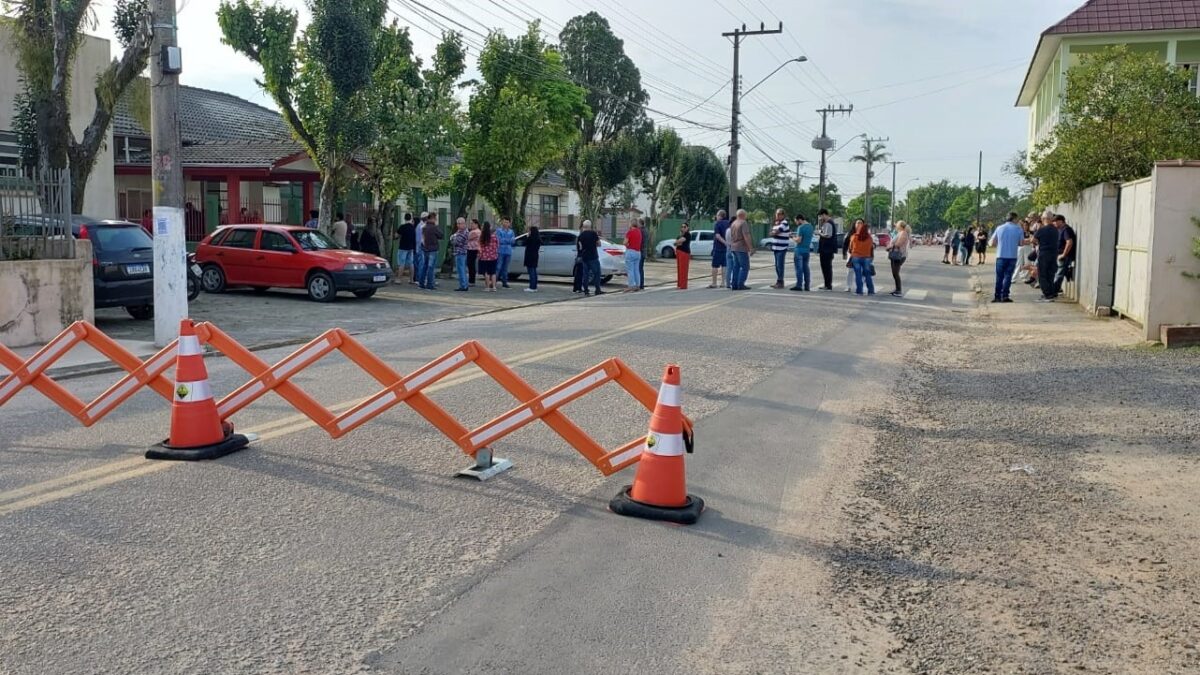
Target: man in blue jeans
x=803, y=239
x=505, y=237
x=1007, y=239
x=431, y=237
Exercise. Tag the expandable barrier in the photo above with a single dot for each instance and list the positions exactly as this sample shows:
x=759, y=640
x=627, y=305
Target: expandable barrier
x=396, y=389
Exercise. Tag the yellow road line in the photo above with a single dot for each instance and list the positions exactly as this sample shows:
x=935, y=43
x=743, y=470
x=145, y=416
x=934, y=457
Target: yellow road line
x=79, y=482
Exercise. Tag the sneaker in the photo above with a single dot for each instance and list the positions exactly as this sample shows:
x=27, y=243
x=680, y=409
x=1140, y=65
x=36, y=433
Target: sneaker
x=586, y=294
x=997, y=300
x=531, y=290
x=1044, y=299
x=460, y=290
x=1007, y=300
x=825, y=288
x=505, y=285
x=796, y=288
x=599, y=293
x=896, y=294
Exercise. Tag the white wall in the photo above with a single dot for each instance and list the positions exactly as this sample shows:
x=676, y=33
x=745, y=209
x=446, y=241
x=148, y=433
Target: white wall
x=1174, y=298
x=40, y=298
x=1093, y=216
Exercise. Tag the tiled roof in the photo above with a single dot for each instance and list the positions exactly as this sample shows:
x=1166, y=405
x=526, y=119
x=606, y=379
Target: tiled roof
x=206, y=115
x=1122, y=16
x=239, y=154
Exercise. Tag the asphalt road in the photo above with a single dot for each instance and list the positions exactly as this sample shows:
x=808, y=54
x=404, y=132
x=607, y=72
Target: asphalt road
x=306, y=554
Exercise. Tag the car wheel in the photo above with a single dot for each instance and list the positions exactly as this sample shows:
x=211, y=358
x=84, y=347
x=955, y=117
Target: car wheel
x=212, y=279
x=668, y=252
x=320, y=287
x=365, y=293
x=140, y=312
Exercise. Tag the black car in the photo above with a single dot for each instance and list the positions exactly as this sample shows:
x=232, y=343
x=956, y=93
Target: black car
x=122, y=264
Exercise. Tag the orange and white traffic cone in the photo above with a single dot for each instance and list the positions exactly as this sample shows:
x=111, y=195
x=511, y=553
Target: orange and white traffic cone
x=659, y=490
x=196, y=429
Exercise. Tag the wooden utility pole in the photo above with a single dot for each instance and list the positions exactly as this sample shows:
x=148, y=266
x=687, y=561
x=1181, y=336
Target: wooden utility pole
x=737, y=35
x=892, y=208
x=824, y=143
x=170, y=247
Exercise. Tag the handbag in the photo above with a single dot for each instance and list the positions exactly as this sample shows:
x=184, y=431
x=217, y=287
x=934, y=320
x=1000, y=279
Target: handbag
x=896, y=255
x=871, y=269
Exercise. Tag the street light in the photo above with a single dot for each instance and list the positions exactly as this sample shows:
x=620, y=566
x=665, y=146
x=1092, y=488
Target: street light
x=798, y=59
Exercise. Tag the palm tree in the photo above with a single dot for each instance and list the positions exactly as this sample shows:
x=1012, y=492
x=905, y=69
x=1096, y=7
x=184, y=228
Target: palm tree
x=871, y=154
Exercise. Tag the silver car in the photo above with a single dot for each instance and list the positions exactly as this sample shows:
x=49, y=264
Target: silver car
x=557, y=256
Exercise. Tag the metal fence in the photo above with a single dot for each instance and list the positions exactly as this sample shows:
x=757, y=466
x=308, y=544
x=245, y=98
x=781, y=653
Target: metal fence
x=35, y=217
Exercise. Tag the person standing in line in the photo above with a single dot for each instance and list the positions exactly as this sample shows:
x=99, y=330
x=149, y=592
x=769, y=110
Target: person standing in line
x=968, y=245
x=458, y=248
x=406, y=249
x=1066, y=253
x=781, y=237
x=419, y=263
x=803, y=241
x=473, y=250
x=506, y=237
x=981, y=245
x=431, y=235
x=588, y=247
x=1007, y=239
x=368, y=239
x=846, y=256
x=489, y=253
x=827, y=247
x=947, y=240
x=633, y=256
x=1023, y=272
x=642, y=260
x=720, y=252
x=898, y=253
x=340, y=230
x=533, y=249
x=314, y=219
x=862, y=253
x=1047, y=237
x=955, y=245
x=683, y=257
x=741, y=247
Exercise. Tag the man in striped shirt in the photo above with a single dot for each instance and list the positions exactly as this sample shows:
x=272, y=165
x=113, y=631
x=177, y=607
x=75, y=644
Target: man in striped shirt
x=781, y=238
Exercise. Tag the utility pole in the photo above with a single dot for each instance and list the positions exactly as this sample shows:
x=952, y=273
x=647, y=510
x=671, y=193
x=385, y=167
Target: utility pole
x=737, y=35
x=869, y=151
x=892, y=209
x=824, y=143
x=798, y=163
x=979, y=194
x=170, y=248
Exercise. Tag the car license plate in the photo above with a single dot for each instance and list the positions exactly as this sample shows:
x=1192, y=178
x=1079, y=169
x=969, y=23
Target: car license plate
x=137, y=269
x=379, y=277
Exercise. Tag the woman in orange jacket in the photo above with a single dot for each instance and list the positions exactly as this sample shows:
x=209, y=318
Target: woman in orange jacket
x=862, y=254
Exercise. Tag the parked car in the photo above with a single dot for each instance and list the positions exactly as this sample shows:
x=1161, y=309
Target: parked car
x=883, y=239
x=287, y=256
x=122, y=264
x=557, y=255
x=702, y=245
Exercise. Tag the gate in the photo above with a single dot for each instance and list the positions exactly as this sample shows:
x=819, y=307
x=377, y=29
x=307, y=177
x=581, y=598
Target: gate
x=1133, y=250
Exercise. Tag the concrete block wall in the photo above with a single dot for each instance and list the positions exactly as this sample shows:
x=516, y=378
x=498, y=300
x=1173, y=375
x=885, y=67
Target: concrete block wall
x=40, y=298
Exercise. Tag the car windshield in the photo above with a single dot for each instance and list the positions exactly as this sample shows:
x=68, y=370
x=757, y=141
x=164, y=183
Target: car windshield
x=313, y=240
x=121, y=238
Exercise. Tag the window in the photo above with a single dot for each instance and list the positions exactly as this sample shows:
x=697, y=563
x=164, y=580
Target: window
x=548, y=205
x=239, y=239
x=558, y=239
x=1193, y=71
x=274, y=241
x=121, y=238
x=313, y=240
x=704, y=236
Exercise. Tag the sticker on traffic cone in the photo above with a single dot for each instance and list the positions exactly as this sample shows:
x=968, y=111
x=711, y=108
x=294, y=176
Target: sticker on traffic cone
x=197, y=431
x=659, y=490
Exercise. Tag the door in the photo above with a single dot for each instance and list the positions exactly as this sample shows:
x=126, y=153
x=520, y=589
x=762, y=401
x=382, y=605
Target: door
x=236, y=255
x=557, y=254
x=702, y=243
x=1130, y=297
x=276, y=261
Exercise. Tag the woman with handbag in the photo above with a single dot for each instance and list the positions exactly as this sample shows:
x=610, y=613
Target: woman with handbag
x=898, y=253
x=862, y=254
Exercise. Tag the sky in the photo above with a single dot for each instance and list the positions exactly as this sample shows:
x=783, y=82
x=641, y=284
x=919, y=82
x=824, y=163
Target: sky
x=937, y=78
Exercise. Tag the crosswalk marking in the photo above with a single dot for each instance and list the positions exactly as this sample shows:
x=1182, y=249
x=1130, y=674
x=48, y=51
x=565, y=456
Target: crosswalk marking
x=964, y=298
x=916, y=296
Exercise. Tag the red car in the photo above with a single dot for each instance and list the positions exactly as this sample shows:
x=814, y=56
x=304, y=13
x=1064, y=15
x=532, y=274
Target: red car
x=885, y=239
x=287, y=256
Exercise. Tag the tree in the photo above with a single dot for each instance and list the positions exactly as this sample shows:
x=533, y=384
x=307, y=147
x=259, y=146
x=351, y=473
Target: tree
x=47, y=34
x=595, y=59
x=1122, y=111
x=658, y=152
x=522, y=117
x=774, y=187
x=321, y=81
x=1018, y=167
x=871, y=155
x=699, y=184
x=881, y=202
x=996, y=202
x=926, y=205
x=415, y=116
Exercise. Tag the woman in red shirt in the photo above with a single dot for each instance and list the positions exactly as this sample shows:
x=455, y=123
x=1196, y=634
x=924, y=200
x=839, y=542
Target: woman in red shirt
x=489, y=253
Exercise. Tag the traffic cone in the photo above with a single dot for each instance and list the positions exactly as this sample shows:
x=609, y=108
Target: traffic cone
x=659, y=490
x=197, y=431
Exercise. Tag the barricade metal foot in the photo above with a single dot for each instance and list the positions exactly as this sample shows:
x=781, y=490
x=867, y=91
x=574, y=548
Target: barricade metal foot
x=231, y=444
x=687, y=514
x=486, y=465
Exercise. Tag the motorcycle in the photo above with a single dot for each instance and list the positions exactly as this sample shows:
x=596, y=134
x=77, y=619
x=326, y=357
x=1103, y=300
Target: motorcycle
x=193, y=277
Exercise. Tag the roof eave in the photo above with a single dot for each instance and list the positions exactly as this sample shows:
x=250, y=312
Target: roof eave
x=1047, y=46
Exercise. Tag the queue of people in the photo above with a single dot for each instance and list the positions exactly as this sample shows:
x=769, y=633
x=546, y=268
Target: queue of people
x=1039, y=250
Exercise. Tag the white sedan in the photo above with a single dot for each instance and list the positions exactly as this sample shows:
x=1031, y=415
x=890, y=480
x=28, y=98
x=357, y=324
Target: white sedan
x=557, y=256
x=702, y=245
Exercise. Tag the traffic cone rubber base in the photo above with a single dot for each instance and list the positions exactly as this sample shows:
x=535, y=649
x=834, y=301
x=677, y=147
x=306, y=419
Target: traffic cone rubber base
x=624, y=505
x=227, y=446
